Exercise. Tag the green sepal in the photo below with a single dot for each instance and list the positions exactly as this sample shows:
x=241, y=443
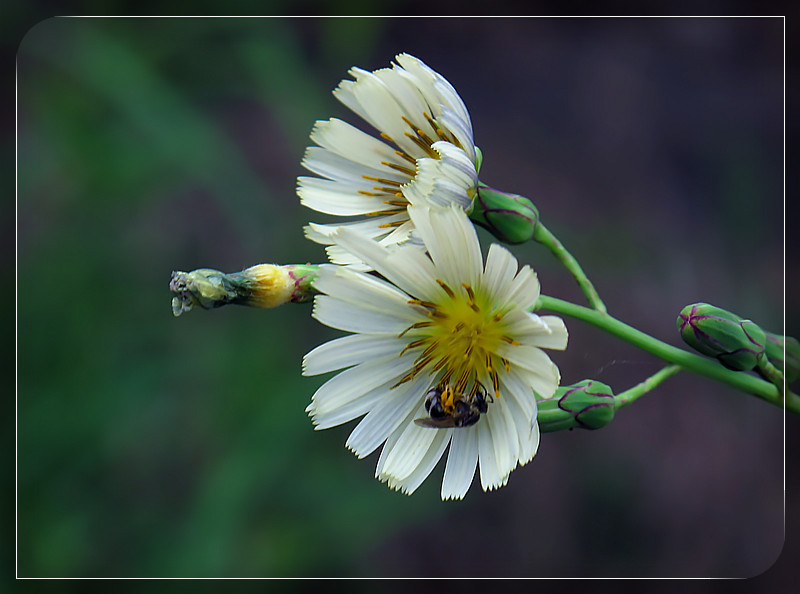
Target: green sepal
x=511, y=218
x=588, y=404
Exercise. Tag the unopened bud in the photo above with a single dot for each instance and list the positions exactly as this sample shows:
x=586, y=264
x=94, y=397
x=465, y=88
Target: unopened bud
x=511, y=218
x=589, y=404
x=790, y=365
x=263, y=285
x=736, y=343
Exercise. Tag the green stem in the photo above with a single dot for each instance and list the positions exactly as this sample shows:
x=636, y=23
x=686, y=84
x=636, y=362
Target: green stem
x=688, y=361
x=631, y=394
x=544, y=236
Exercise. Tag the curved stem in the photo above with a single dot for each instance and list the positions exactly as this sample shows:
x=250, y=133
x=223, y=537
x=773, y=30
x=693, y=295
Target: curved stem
x=631, y=394
x=688, y=361
x=545, y=237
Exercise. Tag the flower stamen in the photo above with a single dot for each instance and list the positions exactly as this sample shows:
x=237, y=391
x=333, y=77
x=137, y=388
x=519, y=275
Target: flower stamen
x=378, y=213
x=408, y=158
x=390, y=182
x=439, y=132
x=400, y=168
x=414, y=344
x=426, y=304
x=421, y=144
x=425, y=324
x=447, y=289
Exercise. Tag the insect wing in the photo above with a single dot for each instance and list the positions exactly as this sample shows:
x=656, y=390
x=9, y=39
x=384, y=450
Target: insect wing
x=436, y=423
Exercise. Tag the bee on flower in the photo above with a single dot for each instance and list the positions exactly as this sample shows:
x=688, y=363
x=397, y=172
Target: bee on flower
x=442, y=335
x=425, y=156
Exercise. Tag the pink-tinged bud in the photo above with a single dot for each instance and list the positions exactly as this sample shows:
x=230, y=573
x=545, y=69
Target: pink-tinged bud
x=736, y=343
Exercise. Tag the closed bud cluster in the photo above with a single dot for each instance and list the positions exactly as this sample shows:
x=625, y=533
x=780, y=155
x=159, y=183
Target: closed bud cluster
x=511, y=218
x=736, y=343
x=589, y=404
x=263, y=285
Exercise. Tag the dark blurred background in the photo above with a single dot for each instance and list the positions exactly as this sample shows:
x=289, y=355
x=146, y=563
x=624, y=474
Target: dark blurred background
x=161, y=447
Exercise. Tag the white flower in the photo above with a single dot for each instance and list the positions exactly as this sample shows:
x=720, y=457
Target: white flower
x=444, y=321
x=428, y=156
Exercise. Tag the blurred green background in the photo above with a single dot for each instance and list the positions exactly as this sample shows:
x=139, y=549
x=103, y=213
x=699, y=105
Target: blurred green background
x=162, y=447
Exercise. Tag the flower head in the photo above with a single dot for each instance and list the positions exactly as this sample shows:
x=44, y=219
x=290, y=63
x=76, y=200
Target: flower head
x=445, y=340
x=426, y=155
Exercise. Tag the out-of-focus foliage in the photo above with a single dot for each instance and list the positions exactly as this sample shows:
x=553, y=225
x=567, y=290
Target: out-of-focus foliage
x=150, y=446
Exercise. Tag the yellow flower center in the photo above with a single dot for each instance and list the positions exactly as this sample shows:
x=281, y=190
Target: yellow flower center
x=459, y=341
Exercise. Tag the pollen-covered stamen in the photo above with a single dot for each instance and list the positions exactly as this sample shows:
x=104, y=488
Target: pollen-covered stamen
x=423, y=145
x=426, y=304
x=439, y=132
x=495, y=383
x=385, y=213
x=447, y=289
x=426, y=324
x=471, y=298
x=408, y=158
x=381, y=180
x=400, y=168
x=414, y=344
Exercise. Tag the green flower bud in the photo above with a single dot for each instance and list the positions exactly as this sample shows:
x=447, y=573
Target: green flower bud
x=509, y=217
x=736, y=343
x=588, y=404
x=263, y=285
x=774, y=349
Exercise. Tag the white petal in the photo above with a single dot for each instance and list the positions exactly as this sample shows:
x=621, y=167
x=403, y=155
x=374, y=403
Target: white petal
x=350, y=317
x=337, y=198
x=558, y=333
x=445, y=102
x=364, y=290
x=328, y=164
x=380, y=109
x=346, y=411
x=533, y=366
x=504, y=436
x=409, y=97
x=456, y=164
x=348, y=351
x=356, y=381
x=461, y=130
x=339, y=255
x=500, y=268
x=405, y=266
x=386, y=417
x=391, y=440
x=523, y=290
x=461, y=463
x=369, y=227
x=426, y=465
x=521, y=392
x=432, y=187
x=522, y=409
x=410, y=448
x=490, y=476
x=452, y=243
x=347, y=140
